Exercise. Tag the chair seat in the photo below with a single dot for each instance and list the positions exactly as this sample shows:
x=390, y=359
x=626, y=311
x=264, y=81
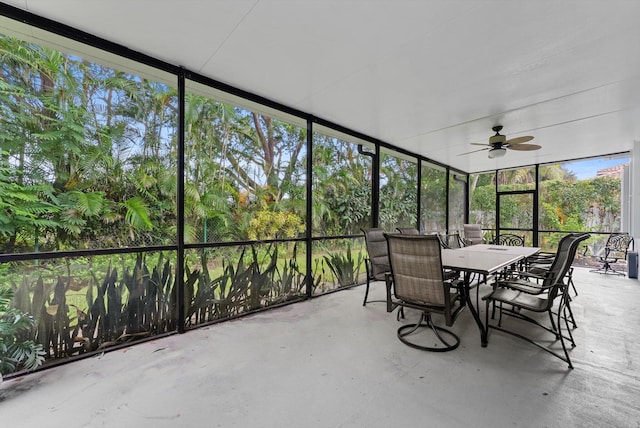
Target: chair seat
x=519, y=298
x=453, y=296
x=551, y=294
x=538, y=271
x=380, y=276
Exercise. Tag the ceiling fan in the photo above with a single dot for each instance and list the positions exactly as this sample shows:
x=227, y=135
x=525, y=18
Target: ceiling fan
x=498, y=144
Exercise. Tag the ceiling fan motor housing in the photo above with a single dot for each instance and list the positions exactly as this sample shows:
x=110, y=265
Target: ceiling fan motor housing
x=497, y=139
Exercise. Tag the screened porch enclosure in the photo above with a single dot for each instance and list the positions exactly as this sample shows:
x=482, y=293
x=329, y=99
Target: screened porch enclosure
x=142, y=200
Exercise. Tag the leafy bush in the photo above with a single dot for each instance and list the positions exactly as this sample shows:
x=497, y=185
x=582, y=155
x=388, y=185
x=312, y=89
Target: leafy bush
x=275, y=225
x=15, y=351
x=344, y=267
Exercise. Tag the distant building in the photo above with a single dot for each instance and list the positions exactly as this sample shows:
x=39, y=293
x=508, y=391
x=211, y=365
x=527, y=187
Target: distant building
x=613, y=171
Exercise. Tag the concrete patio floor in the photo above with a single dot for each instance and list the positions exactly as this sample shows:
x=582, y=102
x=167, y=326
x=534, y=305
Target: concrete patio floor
x=330, y=362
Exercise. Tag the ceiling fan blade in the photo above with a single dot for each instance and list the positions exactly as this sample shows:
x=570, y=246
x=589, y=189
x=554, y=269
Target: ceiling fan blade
x=474, y=151
x=519, y=140
x=524, y=147
x=480, y=144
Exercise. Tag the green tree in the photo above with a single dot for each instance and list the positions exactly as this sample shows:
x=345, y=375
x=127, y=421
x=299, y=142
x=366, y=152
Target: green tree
x=85, y=131
x=341, y=187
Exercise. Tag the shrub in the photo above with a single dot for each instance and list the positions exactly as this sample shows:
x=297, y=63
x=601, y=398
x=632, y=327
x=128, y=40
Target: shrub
x=275, y=225
x=16, y=351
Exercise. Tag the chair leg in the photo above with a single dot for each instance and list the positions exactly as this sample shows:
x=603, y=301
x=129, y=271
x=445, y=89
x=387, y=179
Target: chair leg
x=366, y=292
x=607, y=269
x=557, y=332
x=570, y=281
x=571, y=317
x=555, y=329
x=566, y=323
x=564, y=347
x=425, y=321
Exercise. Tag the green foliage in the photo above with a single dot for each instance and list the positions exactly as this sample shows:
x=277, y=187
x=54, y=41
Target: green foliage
x=137, y=213
x=344, y=267
x=88, y=304
x=275, y=225
x=16, y=350
x=341, y=187
x=566, y=204
x=592, y=204
x=398, y=192
x=255, y=278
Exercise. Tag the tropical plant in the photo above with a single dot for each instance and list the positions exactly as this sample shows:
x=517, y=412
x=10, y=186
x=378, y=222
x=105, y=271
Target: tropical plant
x=344, y=267
x=16, y=350
x=254, y=279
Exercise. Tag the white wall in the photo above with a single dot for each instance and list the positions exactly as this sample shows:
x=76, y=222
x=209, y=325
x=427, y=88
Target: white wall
x=633, y=194
x=633, y=213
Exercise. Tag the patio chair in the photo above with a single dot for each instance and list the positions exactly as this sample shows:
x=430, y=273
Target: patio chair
x=540, y=298
x=451, y=240
x=539, y=267
x=473, y=234
x=377, y=262
x=408, y=230
x=616, y=248
x=417, y=281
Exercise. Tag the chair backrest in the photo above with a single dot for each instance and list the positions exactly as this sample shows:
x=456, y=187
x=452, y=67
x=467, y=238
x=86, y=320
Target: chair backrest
x=378, y=252
x=619, y=244
x=451, y=240
x=408, y=230
x=416, y=266
x=563, y=260
x=473, y=234
x=509, y=239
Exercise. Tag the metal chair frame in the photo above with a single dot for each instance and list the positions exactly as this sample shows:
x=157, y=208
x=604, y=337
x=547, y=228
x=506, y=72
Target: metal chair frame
x=451, y=241
x=417, y=281
x=615, y=249
x=538, y=267
x=377, y=262
x=509, y=239
x=551, y=290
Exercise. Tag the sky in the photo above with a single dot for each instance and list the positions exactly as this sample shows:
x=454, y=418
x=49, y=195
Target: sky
x=588, y=168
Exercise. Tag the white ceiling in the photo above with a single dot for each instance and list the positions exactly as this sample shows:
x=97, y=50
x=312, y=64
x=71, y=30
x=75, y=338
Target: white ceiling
x=430, y=76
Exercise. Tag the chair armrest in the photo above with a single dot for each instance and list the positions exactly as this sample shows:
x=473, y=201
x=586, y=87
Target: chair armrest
x=523, y=285
x=527, y=274
x=388, y=279
x=542, y=258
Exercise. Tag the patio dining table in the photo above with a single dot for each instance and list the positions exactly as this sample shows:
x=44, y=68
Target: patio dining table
x=484, y=259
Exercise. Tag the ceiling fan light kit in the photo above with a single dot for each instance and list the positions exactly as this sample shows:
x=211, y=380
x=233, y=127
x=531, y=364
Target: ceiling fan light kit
x=497, y=152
